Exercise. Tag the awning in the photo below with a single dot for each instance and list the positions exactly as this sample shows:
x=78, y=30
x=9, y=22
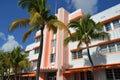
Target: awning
x=27, y=74
x=47, y=69
x=88, y=68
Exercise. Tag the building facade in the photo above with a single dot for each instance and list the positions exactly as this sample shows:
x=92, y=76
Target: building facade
x=61, y=62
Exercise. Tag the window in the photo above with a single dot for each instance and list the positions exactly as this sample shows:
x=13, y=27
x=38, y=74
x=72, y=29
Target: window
x=116, y=24
x=53, y=43
x=113, y=74
x=74, y=56
x=107, y=27
x=52, y=59
x=82, y=76
x=89, y=75
x=118, y=46
x=109, y=74
x=112, y=47
x=37, y=39
x=37, y=50
x=77, y=54
x=34, y=63
x=104, y=49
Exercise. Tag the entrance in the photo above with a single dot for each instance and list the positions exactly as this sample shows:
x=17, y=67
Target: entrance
x=51, y=76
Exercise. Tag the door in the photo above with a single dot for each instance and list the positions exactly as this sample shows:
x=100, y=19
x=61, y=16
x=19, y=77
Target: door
x=51, y=76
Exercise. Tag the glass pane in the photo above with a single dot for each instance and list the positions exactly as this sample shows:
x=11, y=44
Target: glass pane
x=112, y=47
x=89, y=75
x=37, y=50
x=116, y=24
x=53, y=43
x=104, y=49
x=37, y=39
x=117, y=73
x=107, y=27
x=82, y=76
x=118, y=46
x=79, y=54
x=35, y=63
x=109, y=74
x=74, y=55
x=52, y=58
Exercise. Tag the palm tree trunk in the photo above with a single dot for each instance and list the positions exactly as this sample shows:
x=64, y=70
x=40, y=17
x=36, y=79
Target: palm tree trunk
x=39, y=56
x=8, y=74
x=15, y=73
x=91, y=62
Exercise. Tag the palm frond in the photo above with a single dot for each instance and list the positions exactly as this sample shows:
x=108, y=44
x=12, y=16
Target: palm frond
x=80, y=42
x=71, y=38
x=58, y=24
x=29, y=4
x=26, y=34
x=19, y=23
x=35, y=18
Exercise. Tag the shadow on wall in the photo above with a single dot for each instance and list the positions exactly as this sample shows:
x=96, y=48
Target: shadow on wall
x=97, y=58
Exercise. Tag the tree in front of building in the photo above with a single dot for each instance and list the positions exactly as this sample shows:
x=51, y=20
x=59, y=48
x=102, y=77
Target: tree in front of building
x=86, y=30
x=4, y=65
x=40, y=18
x=18, y=60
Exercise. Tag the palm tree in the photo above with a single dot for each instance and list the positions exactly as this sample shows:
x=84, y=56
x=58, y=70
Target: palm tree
x=18, y=60
x=86, y=30
x=39, y=19
x=4, y=64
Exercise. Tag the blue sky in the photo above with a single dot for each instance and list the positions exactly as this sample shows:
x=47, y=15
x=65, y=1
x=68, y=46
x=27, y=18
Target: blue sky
x=10, y=11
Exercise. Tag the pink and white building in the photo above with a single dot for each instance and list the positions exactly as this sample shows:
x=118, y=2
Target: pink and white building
x=66, y=63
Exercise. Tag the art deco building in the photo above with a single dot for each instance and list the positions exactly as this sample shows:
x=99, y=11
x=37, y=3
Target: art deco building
x=66, y=63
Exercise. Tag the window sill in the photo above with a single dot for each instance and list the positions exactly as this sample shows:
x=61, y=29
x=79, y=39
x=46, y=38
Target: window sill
x=77, y=59
x=105, y=54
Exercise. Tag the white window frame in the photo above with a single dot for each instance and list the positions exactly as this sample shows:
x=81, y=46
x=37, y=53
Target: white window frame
x=111, y=74
x=53, y=43
x=37, y=50
x=108, y=26
x=112, y=47
x=52, y=57
x=116, y=23
x=77, y=55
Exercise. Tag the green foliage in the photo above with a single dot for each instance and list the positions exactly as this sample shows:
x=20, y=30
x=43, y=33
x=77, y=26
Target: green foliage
x=18, y=59
x=12, y=60
x=40, y=18
x=3, y=63
x=85, y=31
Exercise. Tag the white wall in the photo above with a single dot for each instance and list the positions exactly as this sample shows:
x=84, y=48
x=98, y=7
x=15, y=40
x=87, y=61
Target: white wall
x=106, y=14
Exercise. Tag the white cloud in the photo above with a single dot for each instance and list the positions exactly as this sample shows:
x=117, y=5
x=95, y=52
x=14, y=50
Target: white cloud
x=2, y=36
x=10, y=44
x=88, y=6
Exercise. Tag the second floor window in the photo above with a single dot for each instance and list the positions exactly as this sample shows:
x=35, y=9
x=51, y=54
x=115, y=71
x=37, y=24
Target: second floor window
x=53, y=43
x=108, y=27
x=104, y=49
x=118, y=46
x=34, y=63
x=37, y=39
x=77, y=54
x=112, y=47
x=37, y=50
x=116, y=24
x=52, y=58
